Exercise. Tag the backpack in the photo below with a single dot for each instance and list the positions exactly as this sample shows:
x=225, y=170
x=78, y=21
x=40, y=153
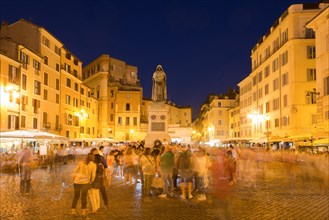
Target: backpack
x=183, y=161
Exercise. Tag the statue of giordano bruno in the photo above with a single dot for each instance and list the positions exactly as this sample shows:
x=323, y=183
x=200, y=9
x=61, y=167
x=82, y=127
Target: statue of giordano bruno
x=159, y=89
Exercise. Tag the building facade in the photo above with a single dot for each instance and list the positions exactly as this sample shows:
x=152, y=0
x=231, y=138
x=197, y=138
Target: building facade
x=320, y=24
x=278, y=99
x=46, y=79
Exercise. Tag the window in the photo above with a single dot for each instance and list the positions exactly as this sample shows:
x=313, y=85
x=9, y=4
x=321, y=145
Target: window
x=284, y=37
x=76, y=87
x=69, y=119
x=45, y=60
x=57, y=98
x=311, y=74
x=219, y=112
x=111, y=93
x=45, y=41
x=127, y=121
x=45, y=79
x=112, y=105
x=254, y=96
x=35, y=123
x=285, y=120
x=267, y=71
x=219, y=122
x=24, y=102
x=68, y=56
x=68, y=99
x=267, y=52
x=219, y=104
x=260, y=76
x=68, y=82
x=276, y=104
x=82, y=91
x=127, y=106
x=45, y=94
x=76, y=62
x=285, y=100
x=254, y=80
x=82, y=102
x=13, y=76
x=309, y=33
x=57, y=50
x=57, y=84
x=44, y=119
x=24, y=82
x=75, y=102
x=57, y=67
x=75, y=73
x=267, y=107
x=35, y=105
x=119, y=121
x=23, y=121
x=285, y=79
x=326, y=85
x=13, y=122
x=310, y=52
x=25, y=59
x=37, y=87
x=67, y=68
x=275, y=64
x=284, y=58
x=275, y=84
x=111, y=117
x=276, y=122
x=36, y=65
x=276, y=45
x=260, y=93
x=135, y=121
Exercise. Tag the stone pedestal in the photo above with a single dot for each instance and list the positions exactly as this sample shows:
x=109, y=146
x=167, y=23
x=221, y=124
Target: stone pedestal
x=157, y=123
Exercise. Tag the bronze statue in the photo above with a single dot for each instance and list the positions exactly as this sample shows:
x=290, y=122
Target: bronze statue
x=159, y=89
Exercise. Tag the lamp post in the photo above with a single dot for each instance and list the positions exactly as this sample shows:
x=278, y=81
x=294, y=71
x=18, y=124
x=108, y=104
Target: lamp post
x=82, y=115
x=312, y=95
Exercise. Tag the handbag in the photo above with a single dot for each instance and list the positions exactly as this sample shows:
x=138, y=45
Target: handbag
x=157, y=182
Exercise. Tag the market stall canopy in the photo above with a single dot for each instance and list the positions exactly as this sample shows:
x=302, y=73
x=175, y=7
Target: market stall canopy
x=321, y=142
x=31, y=134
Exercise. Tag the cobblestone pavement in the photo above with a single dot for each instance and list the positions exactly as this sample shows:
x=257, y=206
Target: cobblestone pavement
x=264, y=191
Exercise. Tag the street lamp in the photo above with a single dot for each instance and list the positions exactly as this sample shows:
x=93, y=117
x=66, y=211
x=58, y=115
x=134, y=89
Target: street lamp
x=131, y=134
x=82, y=115
x=312, y=95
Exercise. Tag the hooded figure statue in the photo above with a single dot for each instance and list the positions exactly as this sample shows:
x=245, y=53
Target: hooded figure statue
x=159, y=88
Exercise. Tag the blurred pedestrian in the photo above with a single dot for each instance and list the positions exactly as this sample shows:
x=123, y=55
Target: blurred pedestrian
x=96, y=185
x=231, y=167
x=185, y=171
x=167, y=163
x=147, y=164
x=25, y=162
x=83, y=175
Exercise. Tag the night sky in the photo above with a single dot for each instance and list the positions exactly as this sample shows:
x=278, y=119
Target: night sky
x=204, y=46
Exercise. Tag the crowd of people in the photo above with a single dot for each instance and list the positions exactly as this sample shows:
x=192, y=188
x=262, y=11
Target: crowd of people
x=171, y=169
